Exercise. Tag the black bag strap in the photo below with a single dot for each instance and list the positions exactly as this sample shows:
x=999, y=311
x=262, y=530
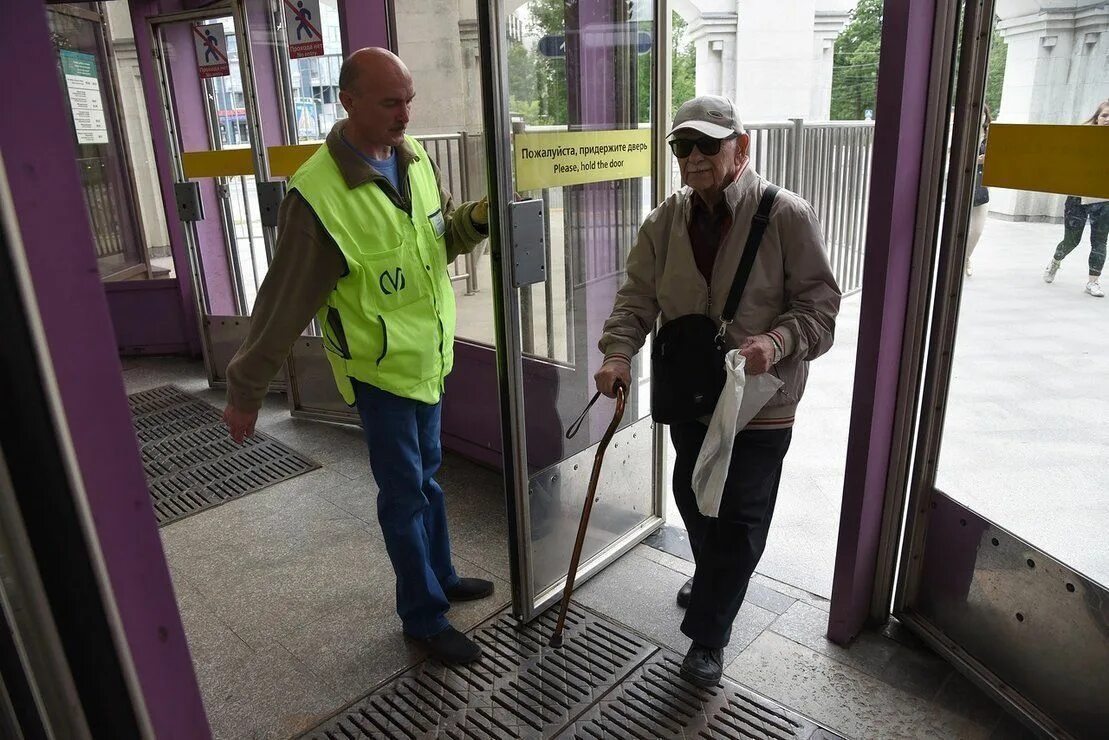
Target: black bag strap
x=750, y=250
x=576, y=426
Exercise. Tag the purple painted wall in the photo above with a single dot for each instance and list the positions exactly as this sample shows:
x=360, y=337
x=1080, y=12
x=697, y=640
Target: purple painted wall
x=365, y=23
x=147, y=317
x=41, y=165
x=900, y=120
x=265, y=72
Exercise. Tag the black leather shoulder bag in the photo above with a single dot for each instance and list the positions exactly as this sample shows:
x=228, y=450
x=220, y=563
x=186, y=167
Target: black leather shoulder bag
x=687, y=360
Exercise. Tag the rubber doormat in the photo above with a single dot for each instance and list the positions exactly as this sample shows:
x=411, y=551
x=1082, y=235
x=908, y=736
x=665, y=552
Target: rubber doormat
x=605, y=682
x=190, y=460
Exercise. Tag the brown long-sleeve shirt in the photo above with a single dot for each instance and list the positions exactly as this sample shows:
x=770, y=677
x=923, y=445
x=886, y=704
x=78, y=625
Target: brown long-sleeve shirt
x=307, y=264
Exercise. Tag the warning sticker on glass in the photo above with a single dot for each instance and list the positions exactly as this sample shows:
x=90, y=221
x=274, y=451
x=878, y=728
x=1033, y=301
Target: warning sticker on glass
x=302, y=28
x=551, y=159
x=211, y=50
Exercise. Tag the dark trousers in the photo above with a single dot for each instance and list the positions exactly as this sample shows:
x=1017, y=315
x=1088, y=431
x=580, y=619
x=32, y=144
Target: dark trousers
x=728, y=548
x=405, y=453
x=1074, y=223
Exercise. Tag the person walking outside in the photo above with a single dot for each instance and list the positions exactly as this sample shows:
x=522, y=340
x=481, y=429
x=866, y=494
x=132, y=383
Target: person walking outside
x=1076, y=212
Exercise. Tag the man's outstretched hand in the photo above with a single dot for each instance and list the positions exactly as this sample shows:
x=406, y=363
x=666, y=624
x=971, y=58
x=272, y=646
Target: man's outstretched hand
x=240, y=423
x=480, y=212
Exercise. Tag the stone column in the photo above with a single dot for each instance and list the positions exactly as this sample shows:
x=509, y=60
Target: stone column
x=428, y=41
x=472, y=106
x=774, y=58
x=135, y=119
x=713, y=35
x=827, y=25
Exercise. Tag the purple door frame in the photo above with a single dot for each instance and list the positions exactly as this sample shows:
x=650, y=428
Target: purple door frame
x=41, y=163
x=900, y=119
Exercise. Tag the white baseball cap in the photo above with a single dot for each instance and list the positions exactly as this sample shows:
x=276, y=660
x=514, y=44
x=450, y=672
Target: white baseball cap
x=712, y=115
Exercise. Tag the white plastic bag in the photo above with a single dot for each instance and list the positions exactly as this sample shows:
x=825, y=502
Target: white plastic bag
x=742, y=398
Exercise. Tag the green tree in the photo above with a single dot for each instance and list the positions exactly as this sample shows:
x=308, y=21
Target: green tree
x=855, y=62
x=537, y=84
x=548, y=18
x=523, y=85
x=684, y=73
x=995, y=74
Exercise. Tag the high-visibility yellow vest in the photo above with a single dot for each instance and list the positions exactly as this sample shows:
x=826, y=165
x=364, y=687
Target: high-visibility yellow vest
x=390, y=320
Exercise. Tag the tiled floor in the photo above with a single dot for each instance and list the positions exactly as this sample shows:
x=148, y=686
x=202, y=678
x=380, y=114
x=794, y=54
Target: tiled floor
x=287, y=600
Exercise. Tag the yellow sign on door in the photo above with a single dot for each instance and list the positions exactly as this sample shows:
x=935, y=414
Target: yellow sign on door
x=553, y=159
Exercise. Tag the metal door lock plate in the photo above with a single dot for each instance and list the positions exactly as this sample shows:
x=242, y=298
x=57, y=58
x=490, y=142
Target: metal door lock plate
x=270, y=195
x=529, y=253
x=189, y=205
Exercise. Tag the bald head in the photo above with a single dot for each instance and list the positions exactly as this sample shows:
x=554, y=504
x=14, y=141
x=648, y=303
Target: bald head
x=376, y=89
x=371, y=64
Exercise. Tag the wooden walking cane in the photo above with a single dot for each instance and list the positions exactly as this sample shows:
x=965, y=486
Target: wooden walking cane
x=583, y=525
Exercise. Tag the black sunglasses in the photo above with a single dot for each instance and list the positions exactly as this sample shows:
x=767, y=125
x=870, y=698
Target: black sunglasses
x=708, y=146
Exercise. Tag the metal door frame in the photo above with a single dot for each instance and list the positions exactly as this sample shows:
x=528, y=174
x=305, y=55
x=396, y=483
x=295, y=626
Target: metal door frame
x=492, y=27
x=928, y=364
x=206, y=320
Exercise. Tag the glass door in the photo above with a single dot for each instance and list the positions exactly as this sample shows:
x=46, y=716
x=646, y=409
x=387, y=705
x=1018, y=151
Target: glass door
x=210, y=103
x=570, y=129
x=1006, y=561
x=86, y=68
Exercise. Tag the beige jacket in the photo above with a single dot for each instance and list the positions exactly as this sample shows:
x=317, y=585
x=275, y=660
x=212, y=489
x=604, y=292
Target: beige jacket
x=791, y=290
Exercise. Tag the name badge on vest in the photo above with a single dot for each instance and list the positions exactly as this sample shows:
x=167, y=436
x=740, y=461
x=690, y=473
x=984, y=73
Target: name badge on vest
x=438, y=223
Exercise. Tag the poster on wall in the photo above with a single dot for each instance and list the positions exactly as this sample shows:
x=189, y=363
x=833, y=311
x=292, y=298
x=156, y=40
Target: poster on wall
x=211, y=50
x=82, y=82
x=302, y=28
x=308, y=120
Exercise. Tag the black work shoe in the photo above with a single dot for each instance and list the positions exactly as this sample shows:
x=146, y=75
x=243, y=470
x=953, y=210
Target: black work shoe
x=684, y=593
x=470, y=589
x=450, y=647
x=703, y=665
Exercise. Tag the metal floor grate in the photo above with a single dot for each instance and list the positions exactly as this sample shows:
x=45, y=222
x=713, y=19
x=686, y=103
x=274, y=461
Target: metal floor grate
x=191, y=462
x=605, y=682
x=656, y=702
x=520, y=689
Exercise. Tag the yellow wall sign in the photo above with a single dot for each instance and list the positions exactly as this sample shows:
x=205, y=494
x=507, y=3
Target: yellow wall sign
x=552, y=159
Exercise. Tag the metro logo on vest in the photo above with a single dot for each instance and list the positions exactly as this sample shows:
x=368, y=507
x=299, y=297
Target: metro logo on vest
x=392, y=282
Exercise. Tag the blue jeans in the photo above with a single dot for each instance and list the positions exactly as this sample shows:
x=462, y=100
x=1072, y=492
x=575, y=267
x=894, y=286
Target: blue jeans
x=405, y=453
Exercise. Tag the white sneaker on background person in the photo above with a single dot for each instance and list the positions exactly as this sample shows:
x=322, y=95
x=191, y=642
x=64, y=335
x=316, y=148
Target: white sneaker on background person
x=1094, y=288
x=1049, y=273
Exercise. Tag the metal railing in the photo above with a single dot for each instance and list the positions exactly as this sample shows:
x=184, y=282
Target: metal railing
x=833, y=173
x=103, y=203
x=827, y=164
